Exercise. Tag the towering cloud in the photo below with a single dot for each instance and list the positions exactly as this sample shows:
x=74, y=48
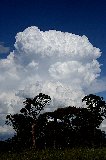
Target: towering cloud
x=62, y=65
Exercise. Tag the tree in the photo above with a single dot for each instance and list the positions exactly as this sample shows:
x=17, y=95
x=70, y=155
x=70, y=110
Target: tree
x=29, y=115
x=64, y=127
x=60, y=128
x=72, y=126
x=22, y=126
x=96, y=107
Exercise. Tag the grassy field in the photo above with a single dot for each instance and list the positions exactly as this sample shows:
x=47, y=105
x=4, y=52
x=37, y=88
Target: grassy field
x=67, y=154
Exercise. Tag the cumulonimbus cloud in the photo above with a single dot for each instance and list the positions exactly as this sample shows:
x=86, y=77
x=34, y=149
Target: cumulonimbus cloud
x=62, y=65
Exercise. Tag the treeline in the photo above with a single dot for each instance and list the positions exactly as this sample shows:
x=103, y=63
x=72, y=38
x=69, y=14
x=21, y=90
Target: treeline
x=64, y=128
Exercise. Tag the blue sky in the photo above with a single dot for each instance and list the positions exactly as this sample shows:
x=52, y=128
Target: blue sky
x=82, y=17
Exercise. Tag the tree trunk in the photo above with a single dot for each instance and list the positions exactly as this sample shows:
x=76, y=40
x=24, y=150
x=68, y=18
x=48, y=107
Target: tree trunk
x=33, y=135
x=55, y=124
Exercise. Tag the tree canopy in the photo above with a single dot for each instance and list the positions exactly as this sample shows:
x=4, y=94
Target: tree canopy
x=64, y=127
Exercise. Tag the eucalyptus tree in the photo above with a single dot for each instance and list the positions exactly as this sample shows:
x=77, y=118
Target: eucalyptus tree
x=29, y=114
x=97, y=109
x=96, y=113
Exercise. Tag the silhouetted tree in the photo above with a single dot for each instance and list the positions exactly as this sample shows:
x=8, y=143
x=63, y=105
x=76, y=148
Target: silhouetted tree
x=96, y=108
x=22, y=125
x=22, y=122
x=72, y=126
x=57, y=127
x=64, y=127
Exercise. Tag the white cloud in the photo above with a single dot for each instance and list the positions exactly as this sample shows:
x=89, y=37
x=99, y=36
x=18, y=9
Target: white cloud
x=5, y=128
x=4, y=49
x=76, y=70
x=62, y=65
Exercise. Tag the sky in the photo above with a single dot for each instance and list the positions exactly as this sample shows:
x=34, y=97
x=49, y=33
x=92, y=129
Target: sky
x=57, y=47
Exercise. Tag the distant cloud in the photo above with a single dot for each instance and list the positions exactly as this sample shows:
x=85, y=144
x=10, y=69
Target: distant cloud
x=4, y=49
x=62, y=65
x=5, y=129
x=6, y=132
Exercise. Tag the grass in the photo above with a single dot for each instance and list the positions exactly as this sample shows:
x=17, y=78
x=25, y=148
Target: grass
x=66, y=154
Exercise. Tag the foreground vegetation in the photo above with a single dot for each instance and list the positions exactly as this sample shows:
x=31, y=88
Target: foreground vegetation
x=70, y=133
x=66, y=154
x=66, y=127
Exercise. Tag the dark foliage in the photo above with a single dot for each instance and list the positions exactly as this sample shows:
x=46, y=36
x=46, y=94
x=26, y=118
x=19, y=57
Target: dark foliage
x=64, y=128
x=25, y=123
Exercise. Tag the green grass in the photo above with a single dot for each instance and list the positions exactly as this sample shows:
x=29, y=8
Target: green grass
x=67, y=154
